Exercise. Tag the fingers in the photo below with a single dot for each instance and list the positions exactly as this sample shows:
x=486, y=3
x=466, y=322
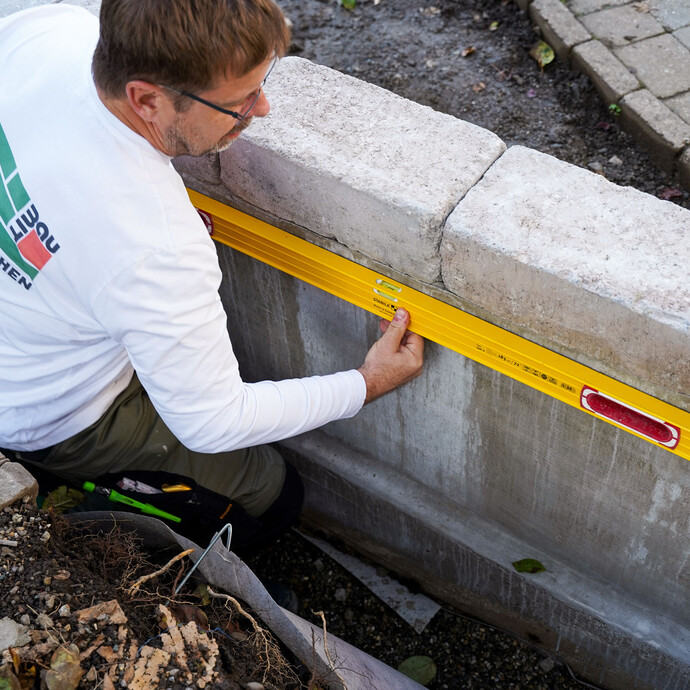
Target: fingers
x=394, y=331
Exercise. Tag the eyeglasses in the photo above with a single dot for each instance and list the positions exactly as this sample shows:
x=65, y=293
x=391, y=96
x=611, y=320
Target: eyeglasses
x=238, y=116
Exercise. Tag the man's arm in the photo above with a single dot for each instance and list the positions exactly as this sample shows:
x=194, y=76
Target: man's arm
x=396, y=358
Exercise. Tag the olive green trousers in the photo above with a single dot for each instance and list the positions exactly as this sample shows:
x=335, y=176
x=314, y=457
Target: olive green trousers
x=132, y=436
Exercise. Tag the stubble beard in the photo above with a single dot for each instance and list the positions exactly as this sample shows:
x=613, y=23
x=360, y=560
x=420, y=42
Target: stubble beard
x=180, y=142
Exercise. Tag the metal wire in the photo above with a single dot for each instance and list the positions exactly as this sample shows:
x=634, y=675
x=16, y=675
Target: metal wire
x=226, y=528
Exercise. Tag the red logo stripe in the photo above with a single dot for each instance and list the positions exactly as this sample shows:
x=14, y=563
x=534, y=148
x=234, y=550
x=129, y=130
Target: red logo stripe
x=32, y=250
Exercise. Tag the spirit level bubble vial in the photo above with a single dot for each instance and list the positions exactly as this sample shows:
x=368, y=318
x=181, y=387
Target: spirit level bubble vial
x=581, y=387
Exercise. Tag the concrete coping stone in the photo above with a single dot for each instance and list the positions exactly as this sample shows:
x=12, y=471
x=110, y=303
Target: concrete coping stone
x=556, y=249
x=372, y=170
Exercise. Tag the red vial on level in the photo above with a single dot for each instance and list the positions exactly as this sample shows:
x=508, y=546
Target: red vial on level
x=606, y=407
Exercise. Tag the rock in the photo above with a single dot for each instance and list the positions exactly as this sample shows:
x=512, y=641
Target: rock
x=547, y=664
x=44, y=621
x=12, y=634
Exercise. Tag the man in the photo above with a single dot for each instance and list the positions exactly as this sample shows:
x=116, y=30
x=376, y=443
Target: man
x=114, y=348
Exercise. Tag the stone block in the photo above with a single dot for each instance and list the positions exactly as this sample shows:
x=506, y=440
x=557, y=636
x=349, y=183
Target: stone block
x=673, y=14
x=556, y=250
x=655, y=126
x=610, y=77
x=661, y=63
x=620, y=26
x=579, y=7
x=15, y=483
x=680, y=105
x=205, y=169
x=358, y=164
x=559, y=27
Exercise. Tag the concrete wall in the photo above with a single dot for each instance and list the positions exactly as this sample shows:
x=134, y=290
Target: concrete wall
x=463, y=471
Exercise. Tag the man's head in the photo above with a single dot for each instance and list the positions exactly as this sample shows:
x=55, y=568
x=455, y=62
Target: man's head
x=151, y=51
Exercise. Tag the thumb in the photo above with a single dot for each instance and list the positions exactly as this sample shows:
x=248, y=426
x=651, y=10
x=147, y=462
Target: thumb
x=396, y=330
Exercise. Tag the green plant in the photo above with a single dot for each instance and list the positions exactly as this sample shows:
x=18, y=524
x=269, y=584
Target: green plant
x=615, y=109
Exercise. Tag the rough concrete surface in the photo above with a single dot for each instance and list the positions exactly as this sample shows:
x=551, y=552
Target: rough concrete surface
x=382, y=186
x=468, y=561
x=555, y=249
x=548, y=474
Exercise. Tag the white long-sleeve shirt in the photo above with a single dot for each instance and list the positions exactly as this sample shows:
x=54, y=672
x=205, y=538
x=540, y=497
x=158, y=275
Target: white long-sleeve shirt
x=106, y=268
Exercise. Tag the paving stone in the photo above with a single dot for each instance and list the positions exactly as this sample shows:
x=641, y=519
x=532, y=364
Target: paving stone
x=559, y=27
x=655, y=126
x=383, y=188
x=556, y=249
x=620, y=26
x=611, y=77
x=673, y=14
x=15, y=483
x=578, y=7
x=661, y=63
x=680, y=105
x=683, y=35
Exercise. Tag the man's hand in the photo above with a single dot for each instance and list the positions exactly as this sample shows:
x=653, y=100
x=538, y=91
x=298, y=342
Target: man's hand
x=394, y=359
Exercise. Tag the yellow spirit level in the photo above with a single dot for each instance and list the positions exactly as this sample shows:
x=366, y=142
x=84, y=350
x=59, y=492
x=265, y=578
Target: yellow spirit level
x=562, y=378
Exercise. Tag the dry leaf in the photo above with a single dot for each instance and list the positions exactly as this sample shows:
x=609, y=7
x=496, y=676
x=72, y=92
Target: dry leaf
x=479, y=87
x=468, y=51
x=65, y=671
x=542, y=53
x=111, y=609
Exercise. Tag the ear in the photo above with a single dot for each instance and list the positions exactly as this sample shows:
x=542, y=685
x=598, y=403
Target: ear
x=147, y=100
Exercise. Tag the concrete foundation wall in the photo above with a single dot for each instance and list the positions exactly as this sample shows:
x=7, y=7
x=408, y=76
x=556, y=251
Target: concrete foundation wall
x=464, y=471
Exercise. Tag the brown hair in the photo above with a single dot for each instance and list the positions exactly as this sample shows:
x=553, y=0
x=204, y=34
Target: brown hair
x=188, y=44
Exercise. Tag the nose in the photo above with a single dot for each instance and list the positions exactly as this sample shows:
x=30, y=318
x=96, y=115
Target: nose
x=262, y=107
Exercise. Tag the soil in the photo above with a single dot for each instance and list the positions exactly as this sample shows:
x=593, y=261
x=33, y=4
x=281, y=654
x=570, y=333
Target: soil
x=471, y=59
x=89, y=621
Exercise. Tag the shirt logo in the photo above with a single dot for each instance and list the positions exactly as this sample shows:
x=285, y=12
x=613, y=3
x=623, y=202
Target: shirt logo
x=26, y=242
